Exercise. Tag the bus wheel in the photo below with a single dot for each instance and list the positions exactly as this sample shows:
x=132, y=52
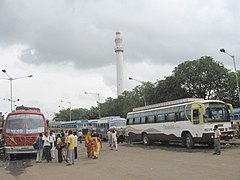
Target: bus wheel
x=189, y=141
x=146, y=141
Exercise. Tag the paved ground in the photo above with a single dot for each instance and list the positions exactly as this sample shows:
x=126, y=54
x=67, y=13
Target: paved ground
x=132, y=162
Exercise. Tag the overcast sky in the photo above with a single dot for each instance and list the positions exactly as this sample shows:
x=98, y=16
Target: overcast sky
x=68, y=45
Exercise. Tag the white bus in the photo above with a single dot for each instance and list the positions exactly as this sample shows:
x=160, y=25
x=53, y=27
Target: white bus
x=186, y=120
x=103, y=124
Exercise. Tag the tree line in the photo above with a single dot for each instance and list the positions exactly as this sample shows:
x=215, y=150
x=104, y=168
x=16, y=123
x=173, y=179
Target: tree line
x=201, y=78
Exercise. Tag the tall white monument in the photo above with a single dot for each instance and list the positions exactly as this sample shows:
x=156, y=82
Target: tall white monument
x=119, y=52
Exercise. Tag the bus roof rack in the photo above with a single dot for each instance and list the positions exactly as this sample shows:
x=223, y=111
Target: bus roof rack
x=24, y=108
x=168, y=103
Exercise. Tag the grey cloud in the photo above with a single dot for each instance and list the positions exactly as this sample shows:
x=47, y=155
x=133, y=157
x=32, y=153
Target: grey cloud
x=83, y=32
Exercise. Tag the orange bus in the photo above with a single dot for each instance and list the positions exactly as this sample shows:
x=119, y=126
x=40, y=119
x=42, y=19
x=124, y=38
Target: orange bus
x=21, y=128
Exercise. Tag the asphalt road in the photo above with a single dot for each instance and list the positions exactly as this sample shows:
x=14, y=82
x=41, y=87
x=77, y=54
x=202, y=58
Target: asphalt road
x=131, y=162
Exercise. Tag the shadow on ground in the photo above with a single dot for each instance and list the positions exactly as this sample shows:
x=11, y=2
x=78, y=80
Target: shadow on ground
x=18, y=165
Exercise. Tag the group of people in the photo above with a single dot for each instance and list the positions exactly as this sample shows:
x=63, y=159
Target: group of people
x=44, y=145
x=66, y=145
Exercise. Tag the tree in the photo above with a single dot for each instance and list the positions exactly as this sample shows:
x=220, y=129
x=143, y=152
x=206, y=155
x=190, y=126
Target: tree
x=202, y=78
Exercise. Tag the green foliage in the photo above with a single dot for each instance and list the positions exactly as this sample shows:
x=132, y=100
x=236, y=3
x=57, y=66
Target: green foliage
x=201, y=78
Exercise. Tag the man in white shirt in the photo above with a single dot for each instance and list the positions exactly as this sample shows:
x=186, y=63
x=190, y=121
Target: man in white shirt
x=114, y=140
x=46, y=146
x=217, y=145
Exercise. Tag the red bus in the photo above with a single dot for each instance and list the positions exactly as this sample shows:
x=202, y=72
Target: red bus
x=21, y=128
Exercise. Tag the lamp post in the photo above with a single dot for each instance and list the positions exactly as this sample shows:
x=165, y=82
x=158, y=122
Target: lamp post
x=142, y=82
x=234, y=63
x=11, y=86
x=14, y=101
x=70, y=105
x=99, y=109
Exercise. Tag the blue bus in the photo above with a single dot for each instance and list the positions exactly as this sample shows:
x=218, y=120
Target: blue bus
x=75, y=126
x=102, y=125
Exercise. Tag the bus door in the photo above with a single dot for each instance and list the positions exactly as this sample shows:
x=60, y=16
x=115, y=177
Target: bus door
x=198, y=110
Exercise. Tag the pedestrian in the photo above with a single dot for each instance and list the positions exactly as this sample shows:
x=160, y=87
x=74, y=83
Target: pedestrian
x=70, y=141
x=217, y=145
x=97, y=146
x=80, y=136
x=88, y=144
x=52, y=144
x=39, y=143
x=120, y=135
x=46, y=146
x=64, y=146
x=109, y=137
x=59, y=148
x=114, y=140
x=75, y=144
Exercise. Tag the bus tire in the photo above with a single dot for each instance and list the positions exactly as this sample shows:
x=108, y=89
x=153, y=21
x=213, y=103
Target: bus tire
x=146, y=140
x=189, y=141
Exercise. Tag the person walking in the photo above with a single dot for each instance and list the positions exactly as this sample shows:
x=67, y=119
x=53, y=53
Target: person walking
x=39, y=143
x=59, y=148
x=88, y=144
x=64, y=146
x=75, y=144
x=114, y=140
x=47, y=147
x=70, y=141
x=109, y=136
x=80, y=134
x=217, y=145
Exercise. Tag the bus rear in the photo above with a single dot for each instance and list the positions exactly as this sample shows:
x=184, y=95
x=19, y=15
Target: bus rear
x=21, y=128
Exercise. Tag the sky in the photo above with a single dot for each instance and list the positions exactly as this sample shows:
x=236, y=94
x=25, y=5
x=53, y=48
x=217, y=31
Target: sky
x=68, y=45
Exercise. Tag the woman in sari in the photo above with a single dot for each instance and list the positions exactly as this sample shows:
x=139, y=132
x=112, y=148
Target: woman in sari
x=97, y=147
x=88, y=144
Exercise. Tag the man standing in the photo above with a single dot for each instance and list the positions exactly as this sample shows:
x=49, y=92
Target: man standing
x=70, y=141
x=217, y=145
x=39, y=142
x=46, y=146
x=80, y=136
x=75, y=144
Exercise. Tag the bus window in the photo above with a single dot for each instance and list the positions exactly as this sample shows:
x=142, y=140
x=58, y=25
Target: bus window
x=171, y=117
x=143, y=120
x=160, y=118
x=151, y=119
x=137, y=120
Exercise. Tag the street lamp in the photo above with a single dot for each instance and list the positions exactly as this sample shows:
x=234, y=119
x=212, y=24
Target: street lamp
x=70, y=105
x=14, y=101
x=142, y=82
x=234, y=63
x=99, y=109
x=11, y=86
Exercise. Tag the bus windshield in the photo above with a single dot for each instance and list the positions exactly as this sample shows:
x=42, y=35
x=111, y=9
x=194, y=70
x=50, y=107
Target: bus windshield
x=216, y=113
x=25, y=124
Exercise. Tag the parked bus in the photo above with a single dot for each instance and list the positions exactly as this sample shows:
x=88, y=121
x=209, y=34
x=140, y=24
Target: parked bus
x=75, y=126
x=102, y=125
x=186, y=120
x=21, y=128
x=235, y=116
